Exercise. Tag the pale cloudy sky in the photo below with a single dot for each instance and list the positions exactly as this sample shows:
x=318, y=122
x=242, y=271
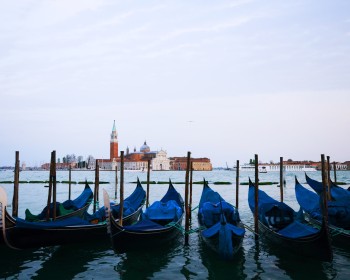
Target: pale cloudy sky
x=222, y=79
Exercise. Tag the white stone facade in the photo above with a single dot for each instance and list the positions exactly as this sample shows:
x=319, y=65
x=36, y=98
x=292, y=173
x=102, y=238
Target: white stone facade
x=161, y=162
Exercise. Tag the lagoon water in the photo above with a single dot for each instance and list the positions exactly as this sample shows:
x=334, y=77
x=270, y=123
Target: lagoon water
x=256, y=260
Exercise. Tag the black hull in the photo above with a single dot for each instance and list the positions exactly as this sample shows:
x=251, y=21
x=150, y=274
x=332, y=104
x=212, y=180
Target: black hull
x=213, y=243
x=124, y=240
x=24, y=238
x=340, y=237
x=316, y=246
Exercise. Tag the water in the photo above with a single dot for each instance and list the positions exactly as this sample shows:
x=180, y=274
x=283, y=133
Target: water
x=98, y=260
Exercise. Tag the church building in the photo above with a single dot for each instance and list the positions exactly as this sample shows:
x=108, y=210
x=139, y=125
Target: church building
x=137, y=160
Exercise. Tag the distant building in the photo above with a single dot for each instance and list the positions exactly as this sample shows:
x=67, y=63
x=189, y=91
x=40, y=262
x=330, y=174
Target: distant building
x=199, y=164
x=137, y=160
x=291, y=165
x=63, y=166
x=347, y=163
x=112, y=162
x=340, y=166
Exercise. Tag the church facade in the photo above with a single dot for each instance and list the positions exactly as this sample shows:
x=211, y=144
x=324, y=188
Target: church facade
x=136, y=160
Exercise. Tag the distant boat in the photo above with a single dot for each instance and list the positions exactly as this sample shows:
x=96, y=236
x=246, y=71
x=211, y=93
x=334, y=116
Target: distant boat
x=247, y=167
x=262, y=169
x=228, y=168
x=251, y=167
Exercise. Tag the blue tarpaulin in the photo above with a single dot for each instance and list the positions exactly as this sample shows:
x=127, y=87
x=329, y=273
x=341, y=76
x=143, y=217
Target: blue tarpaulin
x=297, y=230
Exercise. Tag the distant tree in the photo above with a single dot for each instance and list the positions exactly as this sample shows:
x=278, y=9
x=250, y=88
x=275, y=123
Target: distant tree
x=71, y=158
x=90, y=161
x=289, y=160
x=81, y=164
x=58, y=160
x=252, y=161
x=64, y=160
x=271, y=162
x=80, y=158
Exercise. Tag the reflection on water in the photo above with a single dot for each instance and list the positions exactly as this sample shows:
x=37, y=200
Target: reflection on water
x=75, y=259
x=18, y=264
x=298, y=267
x=222, y=269
x=146, y=264
x=255, y=269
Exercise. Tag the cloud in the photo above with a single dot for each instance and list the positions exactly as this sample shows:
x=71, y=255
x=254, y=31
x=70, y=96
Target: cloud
x=234, y=67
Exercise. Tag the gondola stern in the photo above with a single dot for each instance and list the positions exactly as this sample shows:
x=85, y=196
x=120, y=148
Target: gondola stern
x=6, y=218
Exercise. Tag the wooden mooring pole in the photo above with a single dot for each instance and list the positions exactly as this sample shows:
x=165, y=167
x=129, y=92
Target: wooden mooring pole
x=281, y=179
x=335, y=172
x=325, y=186
x=237, y=182
x=50, y=189
x=97, y=181
x=191, y=183
x=121, y=195
x=54, y=185
x=328, y=174
x=187, y=214
x=256, y=197
x=116, y=182
x=324, y=207
x=325, y=182
x=15, y=187
x=70, y=182
x=148, y=181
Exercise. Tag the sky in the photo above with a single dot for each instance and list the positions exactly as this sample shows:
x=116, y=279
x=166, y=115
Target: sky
x=222, y=79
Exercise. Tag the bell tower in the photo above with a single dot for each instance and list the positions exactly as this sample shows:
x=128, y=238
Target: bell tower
x=114, y=143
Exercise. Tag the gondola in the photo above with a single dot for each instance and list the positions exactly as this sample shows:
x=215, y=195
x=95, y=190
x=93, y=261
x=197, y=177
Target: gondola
x=221, y=227
x=283, y=227
x=21, y=234
x=65, y=210
x=338, y=214
x=159, y=224
x=337, y=193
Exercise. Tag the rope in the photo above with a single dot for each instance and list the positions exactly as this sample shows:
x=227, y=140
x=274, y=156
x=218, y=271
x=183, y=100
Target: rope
x=337, y=231
x=180, y=228
x=118, y=233
x=250, y=229
x=333, y=231
x=195, y=208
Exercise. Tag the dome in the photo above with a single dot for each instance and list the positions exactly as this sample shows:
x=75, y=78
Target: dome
x=145, y=148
